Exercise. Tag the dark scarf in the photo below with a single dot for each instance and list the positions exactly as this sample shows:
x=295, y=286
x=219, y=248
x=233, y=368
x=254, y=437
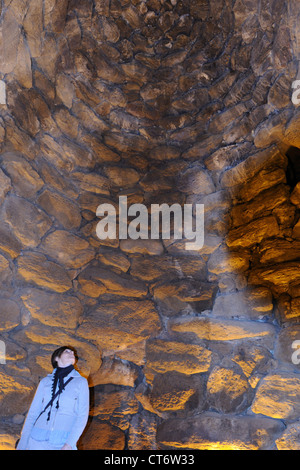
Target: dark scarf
x=58, y=380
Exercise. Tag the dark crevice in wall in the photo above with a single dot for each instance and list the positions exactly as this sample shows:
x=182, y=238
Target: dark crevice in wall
x=293, y=168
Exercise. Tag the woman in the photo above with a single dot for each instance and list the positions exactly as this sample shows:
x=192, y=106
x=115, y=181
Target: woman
x=59, y=411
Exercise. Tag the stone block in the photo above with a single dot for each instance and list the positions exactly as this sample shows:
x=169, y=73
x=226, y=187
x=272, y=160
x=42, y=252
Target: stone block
x=11, y=31
x=225, y=118
x=251, y=303
x=28, y=222
x=67, y=123
x=278, y=396
x=254, y=360
x=65, y=90
x=178, y=296
x=278, y=251
x=44, y=85
x=115, y=259
x=252, y=233
x=33, y=22
x=89, y=356
x=270, y=158
x=26, y=181
x=178, y=247
x=91, y=182
x=22, y=70
x=224, y=260
x=220, y=329
x=114, y=405
x=126, y=121
x=88, y=118
x=183, y=102
x=9, y=314
x=53, y=309
x=290, y=438
x=122, y=177
x=228, y=390
x=15, y=394
x=56, y=181
x=73, y=155
x=115, y=326
x=225, y=157
x=164, y=152
x=15, y=354
x=262, y=204
x=2, y=131
x=271, y=130
x=202, y=147
x=115, y=371
x=5, y=184
x=134, y=353
x=37, y=111
x=284, y=346
x=142, y=432
x=210, y=431
x=101, y=152
x=9, y=434
x=101, y=436
x=67, y=249
x=65, y=154
x=174, y=392
x=196, y=180
x=97, y=280
x=291, y=134
x=261, y=182
x=146, y=247
x=296, y=230
x=49, y=57
x=2, y=92
x=279, y=95
x=66, y=212
x=54, y=15
x=5, y=271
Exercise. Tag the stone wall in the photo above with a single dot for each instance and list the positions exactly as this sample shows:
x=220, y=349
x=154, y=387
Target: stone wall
x=163, y=102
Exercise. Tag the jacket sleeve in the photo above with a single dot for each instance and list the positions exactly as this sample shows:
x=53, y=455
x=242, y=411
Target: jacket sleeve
x=35, y=409
x=82, y=415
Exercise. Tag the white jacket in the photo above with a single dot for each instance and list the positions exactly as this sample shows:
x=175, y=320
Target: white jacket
x=66, y=423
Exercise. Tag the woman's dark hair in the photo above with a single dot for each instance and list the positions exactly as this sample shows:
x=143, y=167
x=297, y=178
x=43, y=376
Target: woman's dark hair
x=58, y=352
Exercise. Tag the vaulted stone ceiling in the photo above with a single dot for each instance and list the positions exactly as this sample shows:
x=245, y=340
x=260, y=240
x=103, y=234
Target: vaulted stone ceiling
x=163, y=102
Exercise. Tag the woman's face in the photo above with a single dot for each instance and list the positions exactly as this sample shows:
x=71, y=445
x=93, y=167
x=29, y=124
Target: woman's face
x=66, y=358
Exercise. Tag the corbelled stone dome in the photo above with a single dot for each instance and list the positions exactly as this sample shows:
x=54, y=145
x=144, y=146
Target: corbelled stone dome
x=190, y=102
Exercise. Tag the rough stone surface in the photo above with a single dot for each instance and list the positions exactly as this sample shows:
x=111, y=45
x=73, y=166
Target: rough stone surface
x=116, y=325
x=217, y=329
x=35, y=268
x=175, y=102
x=52, y=309
x=27, y=222
x=165, y=356
x=290, y=438
x=14, y=394
x=175, y=392
x=203, y=433
x=278, y=396
x=101, y=435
